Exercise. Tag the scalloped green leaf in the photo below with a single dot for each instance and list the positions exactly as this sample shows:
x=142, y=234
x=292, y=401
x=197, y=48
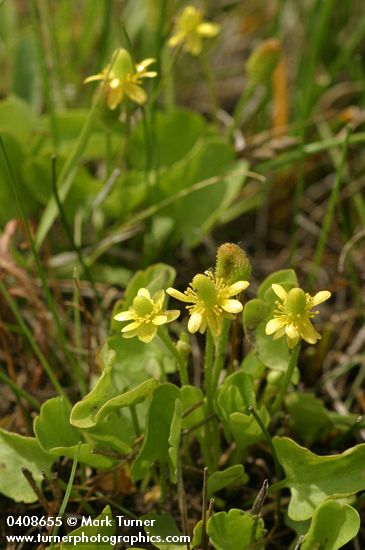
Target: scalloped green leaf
x=56, y=435
x=235, y=530
x=106, y=528
x=17, y=452
x=156, y=444
x=312, y=479
x=221, y=479
x=333, y=525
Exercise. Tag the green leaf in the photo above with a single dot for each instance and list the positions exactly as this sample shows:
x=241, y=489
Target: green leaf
x=17, y=119
x=333, y=525
x=17, y=452
x=104, y=526
x=174, y=440
x=56, y=435
x=234, y=530
x=97, y=404
x=312, y=478
x=189, y=126
x=309, y=417
x=272, y=353
x=221, y=479
x=163, y=526
x=253, y=313
x=154, y=278
x=156, y=443
x=136, y=361
x=235, y=395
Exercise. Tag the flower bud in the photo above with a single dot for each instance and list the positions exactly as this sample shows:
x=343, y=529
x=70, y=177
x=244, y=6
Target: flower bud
x=183, y=344
x=263, y=61
x=232, y=263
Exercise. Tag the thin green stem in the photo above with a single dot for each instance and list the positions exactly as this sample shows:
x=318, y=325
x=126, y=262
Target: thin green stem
x=211, y=84
x=220, y=354
x=267, y=436
x=208, y=368
x=20, y=392
x=67, y=494
x=330, y=211
x=47, y=367
x=286, y=380
x=183, y=371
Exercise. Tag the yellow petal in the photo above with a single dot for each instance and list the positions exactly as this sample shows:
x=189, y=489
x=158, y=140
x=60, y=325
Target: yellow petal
x=208, y=30
x=146, y=332
x=171, y=315
x=214, y=324
x=308, y=333
x=195, y=322
x=131, y=326
x=130, y=334
x=279, y=291
x=144, y=292
x=291, y=331
x=236, y=288
x=158, y=298
x=94, y=77
x=140, y=67
x=124, y=316
x=135, y=93
x=292, y=342
x=232, y=306
x=175, y=40
x=194, y=44
x=159, y=320
x=178, y=295
x=321, y=296
x=274, y=325
x=114, y=97
x=279, y=334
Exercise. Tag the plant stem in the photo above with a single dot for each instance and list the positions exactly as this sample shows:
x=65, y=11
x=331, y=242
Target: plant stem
x=211, y=83
x=220, y=353
x=208, y=369
x=67, y=493
x=183, y=371
x=286, y=380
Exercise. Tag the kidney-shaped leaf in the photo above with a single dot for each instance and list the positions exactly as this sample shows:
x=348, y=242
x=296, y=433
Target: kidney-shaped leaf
x=234, y=530
x=333, y=525
x=313, y=479
x=17, y=452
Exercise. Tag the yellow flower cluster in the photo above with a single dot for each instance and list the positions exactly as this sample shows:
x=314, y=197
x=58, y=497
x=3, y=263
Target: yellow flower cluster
x=211, y=300
x=293, y=314
x=147, y=315
x=190, y=29
x=123, y=79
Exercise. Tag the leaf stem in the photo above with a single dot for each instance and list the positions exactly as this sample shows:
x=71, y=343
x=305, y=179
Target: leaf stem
x=286, y=380
x=183, y=371
x=208, y=368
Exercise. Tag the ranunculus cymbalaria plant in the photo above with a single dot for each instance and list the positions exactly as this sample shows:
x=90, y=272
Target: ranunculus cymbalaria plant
x=213, y=301
x=122, y=79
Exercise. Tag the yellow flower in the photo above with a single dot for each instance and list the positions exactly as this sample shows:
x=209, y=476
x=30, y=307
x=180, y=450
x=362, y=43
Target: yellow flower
x=190, y=29
x=147, y=315
x=123, y=79
x=211, y=300
x=293, y=314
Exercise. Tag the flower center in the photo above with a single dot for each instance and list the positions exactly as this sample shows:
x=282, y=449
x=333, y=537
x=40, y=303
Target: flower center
x=205, y=289
x=296, y=302
x=143, y=306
